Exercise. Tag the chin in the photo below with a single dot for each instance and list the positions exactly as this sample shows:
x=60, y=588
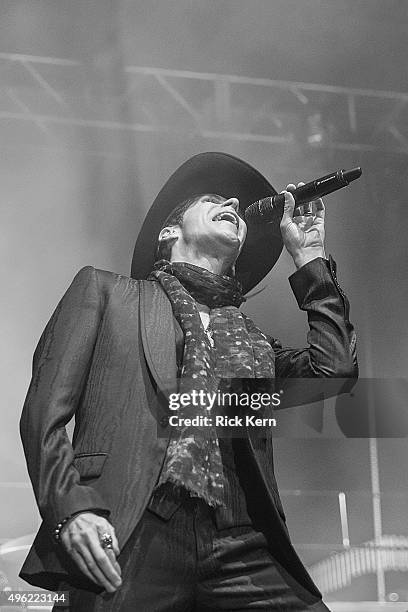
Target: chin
x=232, y=238
x=227, y=244
x=234, y=248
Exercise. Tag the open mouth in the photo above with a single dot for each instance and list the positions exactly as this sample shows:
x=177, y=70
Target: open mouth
x=227, y=216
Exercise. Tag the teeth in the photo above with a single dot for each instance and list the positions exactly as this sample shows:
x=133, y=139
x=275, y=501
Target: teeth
x=226, y=216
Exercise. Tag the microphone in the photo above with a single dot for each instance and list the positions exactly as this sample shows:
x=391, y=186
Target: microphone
x=267, y=209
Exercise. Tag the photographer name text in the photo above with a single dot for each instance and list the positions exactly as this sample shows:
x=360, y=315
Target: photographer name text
x=221, y=421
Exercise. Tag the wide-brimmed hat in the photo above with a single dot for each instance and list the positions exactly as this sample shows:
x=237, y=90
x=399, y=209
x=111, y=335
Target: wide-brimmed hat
x=229, y=177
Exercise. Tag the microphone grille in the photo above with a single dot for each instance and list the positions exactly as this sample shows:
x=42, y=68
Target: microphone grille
x=256, y=211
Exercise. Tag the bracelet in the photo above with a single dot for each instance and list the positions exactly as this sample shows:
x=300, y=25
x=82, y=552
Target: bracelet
x=57, y=530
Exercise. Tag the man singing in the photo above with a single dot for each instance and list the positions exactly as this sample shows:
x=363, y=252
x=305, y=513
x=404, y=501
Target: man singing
x=141, y=515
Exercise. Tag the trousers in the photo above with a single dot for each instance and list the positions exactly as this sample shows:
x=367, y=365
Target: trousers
x=185, y=563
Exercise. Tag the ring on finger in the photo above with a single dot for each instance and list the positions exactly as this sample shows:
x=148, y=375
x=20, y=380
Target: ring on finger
x=106, y=540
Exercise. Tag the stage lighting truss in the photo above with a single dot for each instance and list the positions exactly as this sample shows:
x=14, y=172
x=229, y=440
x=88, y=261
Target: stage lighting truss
x=50, y=100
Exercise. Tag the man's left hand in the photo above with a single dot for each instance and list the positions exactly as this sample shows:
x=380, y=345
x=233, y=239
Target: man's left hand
x=303, y=236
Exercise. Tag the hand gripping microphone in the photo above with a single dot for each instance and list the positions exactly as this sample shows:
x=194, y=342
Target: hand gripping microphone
x=269, y=208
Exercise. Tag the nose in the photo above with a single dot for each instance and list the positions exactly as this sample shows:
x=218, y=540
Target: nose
x=233, y=202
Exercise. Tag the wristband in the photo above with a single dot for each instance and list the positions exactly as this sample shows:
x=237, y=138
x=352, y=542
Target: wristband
x=57, y=530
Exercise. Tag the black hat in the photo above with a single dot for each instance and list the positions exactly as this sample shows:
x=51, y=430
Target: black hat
x=226, y=176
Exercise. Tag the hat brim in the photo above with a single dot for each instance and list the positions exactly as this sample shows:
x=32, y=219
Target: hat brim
x=225, y=175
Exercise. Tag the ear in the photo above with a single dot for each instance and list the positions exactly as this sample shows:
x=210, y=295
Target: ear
x=169, y=233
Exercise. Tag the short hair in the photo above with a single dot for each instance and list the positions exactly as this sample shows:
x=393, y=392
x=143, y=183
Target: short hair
x=176, y=218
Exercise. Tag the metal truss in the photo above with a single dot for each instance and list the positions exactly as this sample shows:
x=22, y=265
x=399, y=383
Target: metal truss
x=57, y=95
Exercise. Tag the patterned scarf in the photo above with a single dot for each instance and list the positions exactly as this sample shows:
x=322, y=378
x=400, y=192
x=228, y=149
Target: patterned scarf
x=240, y=350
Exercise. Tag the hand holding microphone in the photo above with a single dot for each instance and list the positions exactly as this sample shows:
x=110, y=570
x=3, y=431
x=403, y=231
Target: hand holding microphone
x=268, y=209
x=302, y=235
x=302, y=227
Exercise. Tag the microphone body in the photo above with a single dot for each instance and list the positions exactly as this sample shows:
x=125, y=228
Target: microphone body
x=267, y=209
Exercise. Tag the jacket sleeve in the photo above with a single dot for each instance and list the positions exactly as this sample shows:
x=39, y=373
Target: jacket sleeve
x=332, y=340
x=60, y=367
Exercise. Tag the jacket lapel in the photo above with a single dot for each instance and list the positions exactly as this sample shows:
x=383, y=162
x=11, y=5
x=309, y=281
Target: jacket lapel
x=158, y=335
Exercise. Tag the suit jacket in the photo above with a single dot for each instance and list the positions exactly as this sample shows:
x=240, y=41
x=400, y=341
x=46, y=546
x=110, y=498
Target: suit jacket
x=108, y=356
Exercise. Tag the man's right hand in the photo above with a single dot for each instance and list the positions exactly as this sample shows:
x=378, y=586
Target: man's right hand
x=81, y=538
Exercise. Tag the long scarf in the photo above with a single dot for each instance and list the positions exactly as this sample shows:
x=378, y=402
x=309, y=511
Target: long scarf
x=240, y=350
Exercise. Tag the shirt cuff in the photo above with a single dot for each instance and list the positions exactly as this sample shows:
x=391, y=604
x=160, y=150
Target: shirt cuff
x=312, y=282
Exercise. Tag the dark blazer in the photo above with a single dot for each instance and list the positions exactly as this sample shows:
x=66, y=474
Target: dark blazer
x=108, y=356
